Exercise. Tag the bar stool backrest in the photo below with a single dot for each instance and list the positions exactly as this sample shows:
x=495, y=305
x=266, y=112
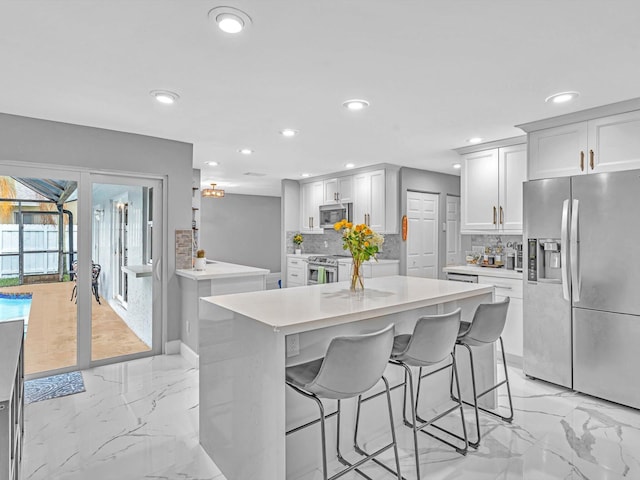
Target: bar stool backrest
x=353, y=364
x=433, y=339
x=488, y=323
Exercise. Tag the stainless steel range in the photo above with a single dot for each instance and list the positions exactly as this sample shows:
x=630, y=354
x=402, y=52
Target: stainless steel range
x=322, y=270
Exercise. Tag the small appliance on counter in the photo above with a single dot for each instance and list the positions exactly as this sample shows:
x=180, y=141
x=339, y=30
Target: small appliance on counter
x=518, y=259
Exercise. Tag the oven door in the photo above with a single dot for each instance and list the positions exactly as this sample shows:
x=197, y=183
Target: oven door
x=313, y=274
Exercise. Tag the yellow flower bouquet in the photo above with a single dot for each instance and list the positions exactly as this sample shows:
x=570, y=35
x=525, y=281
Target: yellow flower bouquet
x=363, y=244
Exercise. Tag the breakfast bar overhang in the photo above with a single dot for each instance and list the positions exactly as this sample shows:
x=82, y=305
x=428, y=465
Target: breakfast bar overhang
x=247, y=340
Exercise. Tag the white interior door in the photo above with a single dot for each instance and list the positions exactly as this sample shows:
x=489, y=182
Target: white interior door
x=422, y=235
x=454, y=255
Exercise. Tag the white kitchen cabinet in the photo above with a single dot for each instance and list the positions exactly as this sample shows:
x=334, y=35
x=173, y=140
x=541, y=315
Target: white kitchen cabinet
x=491, y=184
x=338, y=190
x=512, y=333
x=296, y=272
x=606, y=144
x=312, y=196
x=369, y=200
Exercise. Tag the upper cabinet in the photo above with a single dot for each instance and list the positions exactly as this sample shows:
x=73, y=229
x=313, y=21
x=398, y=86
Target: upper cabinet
x=491, y=190
x=311, y=197
x=374, y=196
x=338, y=190
x=369, y=199
x=591, y=141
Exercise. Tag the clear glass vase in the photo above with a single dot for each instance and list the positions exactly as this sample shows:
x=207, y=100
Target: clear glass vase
x=357, y=279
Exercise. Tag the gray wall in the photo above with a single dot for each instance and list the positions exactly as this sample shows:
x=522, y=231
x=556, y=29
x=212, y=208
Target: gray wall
x=49, y=143
x=412, y=179
x=242, y=229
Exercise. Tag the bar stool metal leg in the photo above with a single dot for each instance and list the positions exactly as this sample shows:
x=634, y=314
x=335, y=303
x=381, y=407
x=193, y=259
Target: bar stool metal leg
x=464, y=438
x=476, y=396
x=394, y=441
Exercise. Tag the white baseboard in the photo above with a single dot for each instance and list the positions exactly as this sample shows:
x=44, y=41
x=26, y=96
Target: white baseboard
x=189, y=355
x=172, y=347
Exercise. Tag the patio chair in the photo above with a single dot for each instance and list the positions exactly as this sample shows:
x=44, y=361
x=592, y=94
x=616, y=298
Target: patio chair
x=95, y=275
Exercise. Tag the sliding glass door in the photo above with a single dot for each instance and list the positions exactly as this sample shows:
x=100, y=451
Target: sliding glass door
x=126, y=244
x=80, y=262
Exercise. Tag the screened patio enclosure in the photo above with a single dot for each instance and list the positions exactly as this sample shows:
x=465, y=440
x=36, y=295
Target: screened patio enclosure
x=37, y=232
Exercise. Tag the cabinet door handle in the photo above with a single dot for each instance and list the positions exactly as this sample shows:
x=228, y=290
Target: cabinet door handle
x=494, y=215
x=591, y=161
x=294, y=274
x=501, y=216
x=581, y=161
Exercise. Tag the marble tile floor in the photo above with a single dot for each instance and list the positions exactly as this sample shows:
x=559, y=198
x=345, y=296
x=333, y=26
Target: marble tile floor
x=139, y=420
x=556, y=434
x=136, y=420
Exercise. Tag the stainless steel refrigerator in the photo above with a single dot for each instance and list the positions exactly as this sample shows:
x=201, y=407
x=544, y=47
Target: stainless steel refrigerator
x=582, y=283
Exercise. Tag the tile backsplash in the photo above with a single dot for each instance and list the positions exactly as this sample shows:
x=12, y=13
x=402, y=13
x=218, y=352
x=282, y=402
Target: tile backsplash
x=330, y=243
x=470, y=241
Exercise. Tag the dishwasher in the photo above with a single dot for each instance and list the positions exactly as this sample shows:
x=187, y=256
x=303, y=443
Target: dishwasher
x=462, y=277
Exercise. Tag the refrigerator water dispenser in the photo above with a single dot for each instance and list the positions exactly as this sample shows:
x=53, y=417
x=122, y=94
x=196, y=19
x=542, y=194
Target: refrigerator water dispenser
x=544, y=260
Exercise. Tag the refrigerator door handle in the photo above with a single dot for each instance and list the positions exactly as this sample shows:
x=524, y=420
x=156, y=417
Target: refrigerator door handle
x=575, y=257
x=564, y=252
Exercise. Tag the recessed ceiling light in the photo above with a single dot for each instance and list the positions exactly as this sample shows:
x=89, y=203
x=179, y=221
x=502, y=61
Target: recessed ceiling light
x=305, y=175
x=165, y=96
x=288, y=132
x=349, y=165
x=561, y=97
x=229, y=19
x=245, y=151
x=457, y=165
x=474, y=140
x=355, y=104
x=213, y=164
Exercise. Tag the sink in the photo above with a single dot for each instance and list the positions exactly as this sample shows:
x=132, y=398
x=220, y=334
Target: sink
x=209, y=262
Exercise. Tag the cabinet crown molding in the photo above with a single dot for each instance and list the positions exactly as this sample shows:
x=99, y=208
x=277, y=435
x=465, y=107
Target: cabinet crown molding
x=479, y=147
x=352, y=171
x=583, y=115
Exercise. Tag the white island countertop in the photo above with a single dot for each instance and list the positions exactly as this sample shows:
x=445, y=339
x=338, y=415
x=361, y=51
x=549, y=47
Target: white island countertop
x=487, y=271
x=217, y=270
x=299, y=309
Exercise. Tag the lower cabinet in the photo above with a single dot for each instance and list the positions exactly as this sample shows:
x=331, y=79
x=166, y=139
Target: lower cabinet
x=12, y=400
x=369, y=269
x=296, y=272
x=512, y=333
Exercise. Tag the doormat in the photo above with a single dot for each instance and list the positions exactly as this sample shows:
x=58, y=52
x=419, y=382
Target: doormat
x=53, y=387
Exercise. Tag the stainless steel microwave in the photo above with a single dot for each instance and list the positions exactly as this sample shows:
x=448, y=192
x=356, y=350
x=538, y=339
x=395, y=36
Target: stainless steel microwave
x=330, y=214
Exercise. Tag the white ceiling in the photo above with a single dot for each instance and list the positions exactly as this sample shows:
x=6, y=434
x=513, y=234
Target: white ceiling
x=435, y=71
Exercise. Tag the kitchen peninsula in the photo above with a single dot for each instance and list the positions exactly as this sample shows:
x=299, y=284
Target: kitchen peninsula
x=247, y=340
x=218, y=278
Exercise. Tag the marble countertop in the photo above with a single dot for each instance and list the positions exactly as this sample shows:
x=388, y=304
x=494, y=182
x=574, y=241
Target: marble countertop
x=486, y=271
x=217, y=270
x=299, y=309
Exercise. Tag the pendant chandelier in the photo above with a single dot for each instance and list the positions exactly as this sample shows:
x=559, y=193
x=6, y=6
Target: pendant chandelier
x=213, y=192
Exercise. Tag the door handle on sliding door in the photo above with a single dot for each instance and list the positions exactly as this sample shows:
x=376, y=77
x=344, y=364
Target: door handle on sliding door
x=575, y=253
x=564, y=251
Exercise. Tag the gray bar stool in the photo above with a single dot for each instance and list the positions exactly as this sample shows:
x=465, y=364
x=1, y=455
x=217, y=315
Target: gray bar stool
x=432, y=342
x=351, y=366
x=485, y=329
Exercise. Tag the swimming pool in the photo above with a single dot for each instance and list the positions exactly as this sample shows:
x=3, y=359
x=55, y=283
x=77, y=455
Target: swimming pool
x=14, y=306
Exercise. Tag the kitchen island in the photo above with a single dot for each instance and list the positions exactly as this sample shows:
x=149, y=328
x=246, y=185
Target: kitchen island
x=218, y=278
x=247, y=340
